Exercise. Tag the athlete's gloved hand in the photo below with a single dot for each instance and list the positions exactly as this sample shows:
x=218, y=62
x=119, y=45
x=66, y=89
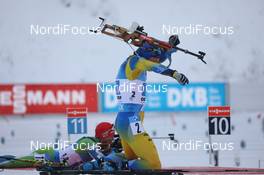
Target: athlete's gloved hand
x=174, y=40
x=181, y=78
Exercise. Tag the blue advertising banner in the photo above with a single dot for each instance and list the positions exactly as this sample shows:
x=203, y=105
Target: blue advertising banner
x=171, y=97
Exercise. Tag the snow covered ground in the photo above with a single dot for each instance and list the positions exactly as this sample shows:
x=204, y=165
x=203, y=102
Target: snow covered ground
x=188, y=128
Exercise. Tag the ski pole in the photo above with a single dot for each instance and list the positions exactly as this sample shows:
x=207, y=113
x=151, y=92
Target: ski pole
x=170, y=136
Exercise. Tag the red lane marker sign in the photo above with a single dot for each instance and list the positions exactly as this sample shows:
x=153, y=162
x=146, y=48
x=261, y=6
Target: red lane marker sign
x=223, y=111
x=77, y=112
x=219, y=120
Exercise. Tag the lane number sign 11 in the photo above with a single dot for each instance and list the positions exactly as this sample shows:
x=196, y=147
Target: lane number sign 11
x=77, y=120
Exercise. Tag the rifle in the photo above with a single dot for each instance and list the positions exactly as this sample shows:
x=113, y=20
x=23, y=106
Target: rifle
x=136, y=36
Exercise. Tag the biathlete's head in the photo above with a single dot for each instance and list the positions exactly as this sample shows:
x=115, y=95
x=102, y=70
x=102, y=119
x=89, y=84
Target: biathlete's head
x=156, y=54
x=105, y=132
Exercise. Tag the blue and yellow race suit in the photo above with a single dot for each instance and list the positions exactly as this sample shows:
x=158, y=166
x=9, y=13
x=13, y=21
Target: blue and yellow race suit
x=130, y=91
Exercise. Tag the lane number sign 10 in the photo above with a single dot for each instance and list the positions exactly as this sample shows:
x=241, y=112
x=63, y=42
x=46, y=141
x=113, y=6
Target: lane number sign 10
x=219, y=120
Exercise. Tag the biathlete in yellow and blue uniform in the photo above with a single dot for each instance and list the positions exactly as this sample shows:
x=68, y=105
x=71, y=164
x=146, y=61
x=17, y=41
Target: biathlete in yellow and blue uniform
x=130, y=90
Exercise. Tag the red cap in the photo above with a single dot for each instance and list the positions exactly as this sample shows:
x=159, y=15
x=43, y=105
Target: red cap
x=104, y=130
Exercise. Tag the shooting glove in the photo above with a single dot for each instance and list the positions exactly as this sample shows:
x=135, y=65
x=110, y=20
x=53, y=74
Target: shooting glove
x=181, y=78
x=174, y=40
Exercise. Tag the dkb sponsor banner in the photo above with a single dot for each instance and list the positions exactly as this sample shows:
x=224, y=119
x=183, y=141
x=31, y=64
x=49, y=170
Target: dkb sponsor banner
x=169, y=97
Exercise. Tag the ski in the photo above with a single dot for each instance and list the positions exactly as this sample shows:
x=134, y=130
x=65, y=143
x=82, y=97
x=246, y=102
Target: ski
x=172, y=171
x=119, y=172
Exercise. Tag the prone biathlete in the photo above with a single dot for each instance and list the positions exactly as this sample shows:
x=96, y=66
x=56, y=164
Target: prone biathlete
x=87, y=153
x=131, y=90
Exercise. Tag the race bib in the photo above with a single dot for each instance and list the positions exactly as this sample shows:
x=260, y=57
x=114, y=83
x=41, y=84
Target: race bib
x=136, y=125
x=131, y=91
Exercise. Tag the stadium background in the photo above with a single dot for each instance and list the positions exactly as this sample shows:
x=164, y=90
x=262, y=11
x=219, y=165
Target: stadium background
x=234, y=60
